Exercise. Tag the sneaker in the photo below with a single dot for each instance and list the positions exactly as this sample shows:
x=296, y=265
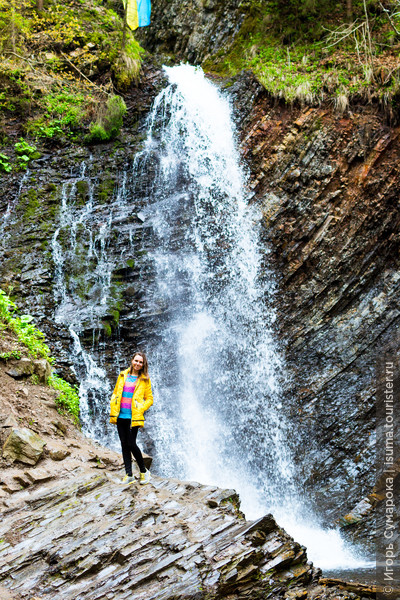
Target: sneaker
x=145, y=477
x=128, y=479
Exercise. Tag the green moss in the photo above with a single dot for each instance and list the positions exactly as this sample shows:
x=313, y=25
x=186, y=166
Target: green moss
x=106, y=189
x=32, y=203
x=109, y=121
x=82, y=192
x=126, y=66
x=291, y=49
x=107, y=328
x=115, y=316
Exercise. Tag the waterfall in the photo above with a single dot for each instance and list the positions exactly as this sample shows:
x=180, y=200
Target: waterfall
x=219, y=415
x=81, y=294
x=216, y=371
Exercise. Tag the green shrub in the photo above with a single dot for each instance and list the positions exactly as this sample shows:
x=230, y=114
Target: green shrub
x=109, y=122
x=33, y=340
x=31, y=337
x=9, y=355
x=97, y=133
x=5, y=163
x=69, y=398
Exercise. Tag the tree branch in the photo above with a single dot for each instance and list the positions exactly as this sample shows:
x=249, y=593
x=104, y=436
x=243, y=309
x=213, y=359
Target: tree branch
x=81, y=74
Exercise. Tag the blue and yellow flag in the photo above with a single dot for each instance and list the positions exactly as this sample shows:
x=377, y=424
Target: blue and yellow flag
x=137, y=13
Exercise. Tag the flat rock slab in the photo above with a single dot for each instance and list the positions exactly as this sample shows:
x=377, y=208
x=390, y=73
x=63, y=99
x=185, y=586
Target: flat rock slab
x=89, y=537
x=24, y=446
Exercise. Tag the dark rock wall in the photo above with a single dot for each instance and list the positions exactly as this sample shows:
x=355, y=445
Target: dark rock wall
x=328, y=186
x=192, y=30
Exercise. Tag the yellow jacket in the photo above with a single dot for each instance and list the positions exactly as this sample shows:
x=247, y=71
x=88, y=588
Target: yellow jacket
x=141, y=401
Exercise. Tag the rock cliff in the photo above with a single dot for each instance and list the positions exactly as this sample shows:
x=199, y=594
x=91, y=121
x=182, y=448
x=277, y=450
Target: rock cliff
x=194, y=30
x=327, y=185
x=69, y=528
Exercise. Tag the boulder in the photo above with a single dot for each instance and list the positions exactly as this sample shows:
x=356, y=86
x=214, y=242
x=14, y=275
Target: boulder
x=23, y=445
x=57, y=450
x=20, y=368
x=10, y=421
x=42, y=368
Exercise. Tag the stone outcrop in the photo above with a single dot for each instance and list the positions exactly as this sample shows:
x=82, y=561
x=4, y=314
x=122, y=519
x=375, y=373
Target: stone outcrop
x=91, y=537
x=70, y=529
x=25, y=367
x=328, y=187
x=192, y=31
x=20, y=368
x=23, y=445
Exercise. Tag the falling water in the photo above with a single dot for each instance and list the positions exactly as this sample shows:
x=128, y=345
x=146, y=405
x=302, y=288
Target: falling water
x=79, y=234
x=218, y=416
x=216, y=370
x=217, y=373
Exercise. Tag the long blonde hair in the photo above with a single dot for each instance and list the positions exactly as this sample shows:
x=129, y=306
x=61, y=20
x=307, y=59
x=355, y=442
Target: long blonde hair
x=144, y=371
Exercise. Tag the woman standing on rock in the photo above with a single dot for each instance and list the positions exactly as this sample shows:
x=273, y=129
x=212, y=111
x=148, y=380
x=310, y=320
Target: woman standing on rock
x=132, y=396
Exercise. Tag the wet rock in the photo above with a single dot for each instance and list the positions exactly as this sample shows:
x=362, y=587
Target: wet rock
x=23, y=445
x=162, y=542
x=332, y=230
x=20, y=368
x=358, y=513
x=42, y=368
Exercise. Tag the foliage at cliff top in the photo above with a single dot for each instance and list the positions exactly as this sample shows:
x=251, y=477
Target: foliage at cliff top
x=312, y=50
x=33, y=340
x=60, y=63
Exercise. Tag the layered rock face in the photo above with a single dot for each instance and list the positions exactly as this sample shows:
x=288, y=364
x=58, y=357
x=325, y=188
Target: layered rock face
x=70, y=529
x=91, y=537
x=328, y=187
x=192, y=30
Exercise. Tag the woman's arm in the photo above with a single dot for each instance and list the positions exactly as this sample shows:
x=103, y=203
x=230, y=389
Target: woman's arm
x=115, y=392
x=147, y=396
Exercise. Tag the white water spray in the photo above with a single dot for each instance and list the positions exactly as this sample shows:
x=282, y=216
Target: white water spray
x=218, y=416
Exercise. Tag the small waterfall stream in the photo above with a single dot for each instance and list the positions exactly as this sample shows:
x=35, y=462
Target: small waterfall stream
x=218, y=415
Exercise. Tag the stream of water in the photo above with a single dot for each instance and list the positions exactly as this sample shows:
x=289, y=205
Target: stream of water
x=216, y=371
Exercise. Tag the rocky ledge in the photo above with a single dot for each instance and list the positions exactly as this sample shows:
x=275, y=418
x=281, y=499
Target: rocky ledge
x=71, y=530
x=87, y=536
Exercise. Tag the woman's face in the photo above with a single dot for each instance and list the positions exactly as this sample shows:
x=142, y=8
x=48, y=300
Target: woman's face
x=137, y=362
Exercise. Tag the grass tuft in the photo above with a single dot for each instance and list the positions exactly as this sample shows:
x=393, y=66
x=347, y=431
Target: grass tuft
x=33, y=339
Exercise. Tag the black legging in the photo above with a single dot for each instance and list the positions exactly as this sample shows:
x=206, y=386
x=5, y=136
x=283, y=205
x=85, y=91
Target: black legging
x=127, y=436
